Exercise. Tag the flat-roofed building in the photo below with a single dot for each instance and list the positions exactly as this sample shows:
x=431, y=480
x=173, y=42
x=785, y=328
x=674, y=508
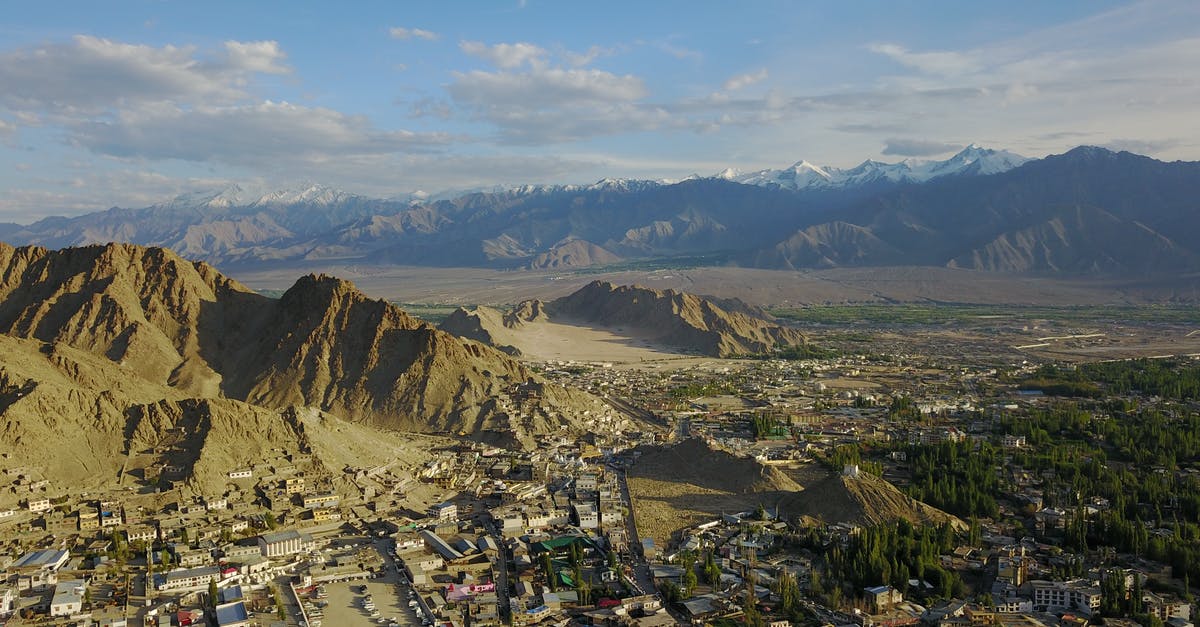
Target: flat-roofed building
x=283, y=543
x=68, y=598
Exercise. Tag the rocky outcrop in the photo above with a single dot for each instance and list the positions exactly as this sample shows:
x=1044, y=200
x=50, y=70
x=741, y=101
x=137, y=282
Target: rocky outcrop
x=675, y=318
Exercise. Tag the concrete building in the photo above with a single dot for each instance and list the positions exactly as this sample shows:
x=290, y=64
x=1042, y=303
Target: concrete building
x=1066, y=595
x=444, y=511
x=187, y=578
x=283, y=543
x=68, y=598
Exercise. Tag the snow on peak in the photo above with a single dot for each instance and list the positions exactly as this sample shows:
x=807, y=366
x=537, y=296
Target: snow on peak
x=224, y=198
x=315, y=194
x=971, y=160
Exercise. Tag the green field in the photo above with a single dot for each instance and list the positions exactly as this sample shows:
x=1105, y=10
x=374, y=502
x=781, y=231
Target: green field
x=938, y=314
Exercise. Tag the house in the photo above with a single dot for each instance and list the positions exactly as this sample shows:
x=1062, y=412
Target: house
x=38, y=505
x=232, y=615
x=187, y=578
x=882, y=598
x=244, y=473
x=8, y=601
x=1066, y=595
x=283, y=543
x=586, y=516
x=68, y=598
x=322, y=500
x=89, y=520
x=444, y=511
x=141, y=534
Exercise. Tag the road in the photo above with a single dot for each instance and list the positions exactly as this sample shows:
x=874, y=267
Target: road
x=641, y=570
x=502, y=592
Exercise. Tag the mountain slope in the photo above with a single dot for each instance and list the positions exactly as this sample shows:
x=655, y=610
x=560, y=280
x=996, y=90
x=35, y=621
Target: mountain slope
x=674, y=318
x=323, y=344
x=1089, y=211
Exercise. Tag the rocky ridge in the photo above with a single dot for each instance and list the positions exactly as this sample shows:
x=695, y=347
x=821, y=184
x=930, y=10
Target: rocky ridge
x=185, y=328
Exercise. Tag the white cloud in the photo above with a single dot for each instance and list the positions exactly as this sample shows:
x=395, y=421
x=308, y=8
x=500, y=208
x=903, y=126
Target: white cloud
x=580, y=59
x=542, y=88
x=917, y=147
x=256, y=56
x=681, y=53
x=399, y=32
x=90, y=74
x=506, y=56
x=745, y=80
x=944, y=63
x=251, y=135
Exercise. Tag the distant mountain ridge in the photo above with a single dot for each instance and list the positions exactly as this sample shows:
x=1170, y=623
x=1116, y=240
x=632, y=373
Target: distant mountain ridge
x=1089, y=211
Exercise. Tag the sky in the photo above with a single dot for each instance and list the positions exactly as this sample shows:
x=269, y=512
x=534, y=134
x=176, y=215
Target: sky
x=131, y=103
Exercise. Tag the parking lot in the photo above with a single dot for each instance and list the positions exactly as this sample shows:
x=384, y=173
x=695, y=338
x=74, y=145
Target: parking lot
x=345, y=607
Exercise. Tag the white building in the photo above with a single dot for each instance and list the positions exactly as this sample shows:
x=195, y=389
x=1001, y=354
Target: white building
x=39, y=505
x=1066, y=595
x=587, y=516
x=68, y=598
x=187, y=578
x=284, y=543
x=444, y=511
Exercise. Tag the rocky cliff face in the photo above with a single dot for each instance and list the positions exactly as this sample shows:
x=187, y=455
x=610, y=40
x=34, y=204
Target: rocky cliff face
x=675, y=318
x=183, y=326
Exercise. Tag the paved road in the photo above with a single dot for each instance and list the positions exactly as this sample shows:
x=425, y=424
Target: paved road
x=502, y=592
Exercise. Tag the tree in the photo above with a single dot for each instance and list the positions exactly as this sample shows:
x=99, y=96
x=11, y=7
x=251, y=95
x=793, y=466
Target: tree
x=270, y=521
x=212, y=592
x=669, y=591
x=548, y=571
x=712, y=572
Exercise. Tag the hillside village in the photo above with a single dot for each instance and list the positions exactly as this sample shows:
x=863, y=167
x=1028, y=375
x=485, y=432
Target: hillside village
x=574, y=532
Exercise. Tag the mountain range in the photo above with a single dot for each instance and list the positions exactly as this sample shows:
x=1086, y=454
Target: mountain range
x=169, y=330
x=1087, y=212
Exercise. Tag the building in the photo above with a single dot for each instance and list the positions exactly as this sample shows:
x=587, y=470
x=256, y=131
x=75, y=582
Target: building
x=586, y=516
x=89, y=520
x=39, y=505
x=439, y=546
x=187, y=578
x=232, y=615
x=293, y=485
x=444, y=511
x=1066, y=595
x=283, y=543
x=68, y=598
x=1166, y=608
x=1014, y=441
x=325, y=499
x=882, y=598
x=8, y=601
x=244, y=473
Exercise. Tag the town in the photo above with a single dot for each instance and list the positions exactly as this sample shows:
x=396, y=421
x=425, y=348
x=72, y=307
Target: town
x=884, y=489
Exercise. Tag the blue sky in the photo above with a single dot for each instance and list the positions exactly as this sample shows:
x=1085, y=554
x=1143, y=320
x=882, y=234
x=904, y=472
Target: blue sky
x=131, y=103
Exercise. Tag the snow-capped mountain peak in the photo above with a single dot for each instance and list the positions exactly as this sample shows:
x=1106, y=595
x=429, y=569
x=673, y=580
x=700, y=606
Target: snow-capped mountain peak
x=223, y=198
x=315, y=194
x=972, y=160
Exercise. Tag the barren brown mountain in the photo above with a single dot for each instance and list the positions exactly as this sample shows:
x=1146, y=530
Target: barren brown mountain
x=323, y=344
x=677, y=319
